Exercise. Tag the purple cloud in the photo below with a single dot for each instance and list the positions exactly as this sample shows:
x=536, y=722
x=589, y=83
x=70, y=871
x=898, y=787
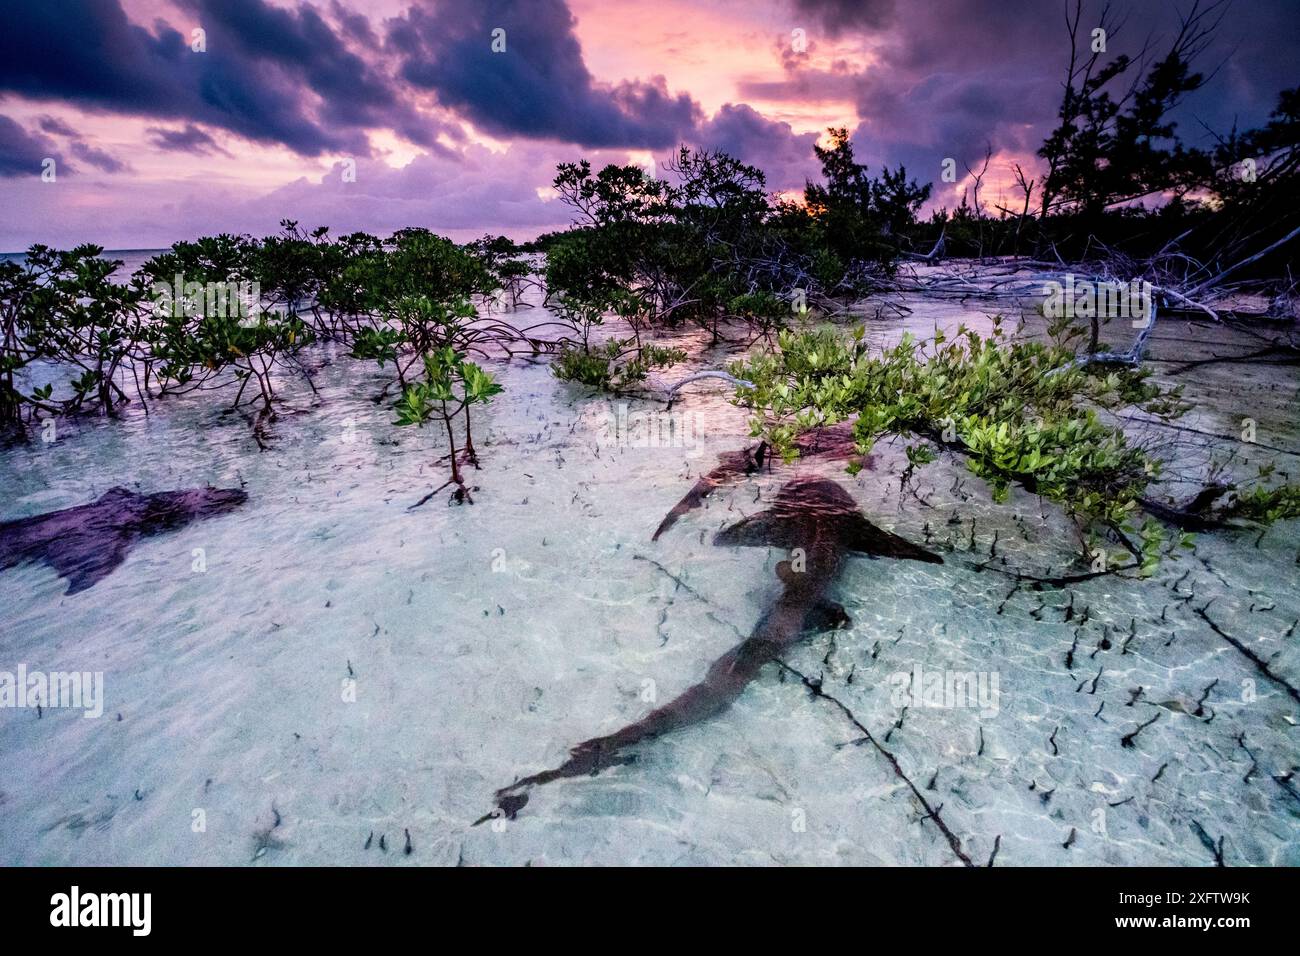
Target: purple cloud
x=786, y=157
x=190, y=139
x=948, y=79
x=21, y=152
x=538, y=86
x=51, y=124
x=98, y=158
x=269, y=74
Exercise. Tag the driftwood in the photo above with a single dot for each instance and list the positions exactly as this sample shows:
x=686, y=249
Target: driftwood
x=710, y=373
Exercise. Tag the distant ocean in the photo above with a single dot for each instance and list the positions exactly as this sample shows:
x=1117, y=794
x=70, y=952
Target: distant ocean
x=131, y=259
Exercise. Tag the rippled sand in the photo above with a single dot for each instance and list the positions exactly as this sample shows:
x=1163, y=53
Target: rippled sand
x=486, y=640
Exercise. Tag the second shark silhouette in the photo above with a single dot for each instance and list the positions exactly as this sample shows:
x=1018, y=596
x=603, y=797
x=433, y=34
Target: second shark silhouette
x=814, y=514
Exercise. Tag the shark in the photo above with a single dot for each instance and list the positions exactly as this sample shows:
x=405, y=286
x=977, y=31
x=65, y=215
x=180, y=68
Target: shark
x=837, y=443
x=85, y=544
x=819, y=523
x=834, y=442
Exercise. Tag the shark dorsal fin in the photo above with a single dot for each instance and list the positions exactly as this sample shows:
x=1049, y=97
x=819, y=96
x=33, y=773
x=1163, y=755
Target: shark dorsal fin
x=777, y=529
x=766, y=529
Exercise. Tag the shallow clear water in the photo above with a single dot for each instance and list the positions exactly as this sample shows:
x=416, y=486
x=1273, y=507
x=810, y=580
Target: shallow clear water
x=484, y=641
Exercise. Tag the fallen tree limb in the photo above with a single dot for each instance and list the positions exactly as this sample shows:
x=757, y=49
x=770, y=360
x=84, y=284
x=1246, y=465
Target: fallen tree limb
x=710, y=373
x=1215, y=280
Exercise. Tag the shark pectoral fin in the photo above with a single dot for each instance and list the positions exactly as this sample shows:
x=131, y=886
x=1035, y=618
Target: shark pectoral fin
x=859, y=534
x=84, y=562
x=826, y=615
x=691, y=500
x=765, y=529
x=732, y=467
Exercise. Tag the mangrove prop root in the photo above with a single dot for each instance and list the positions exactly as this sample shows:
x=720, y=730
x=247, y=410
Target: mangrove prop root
x=931, y=813
x=1260, y=664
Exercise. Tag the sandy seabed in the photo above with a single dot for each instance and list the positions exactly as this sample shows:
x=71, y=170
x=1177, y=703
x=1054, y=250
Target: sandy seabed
x=345, y=669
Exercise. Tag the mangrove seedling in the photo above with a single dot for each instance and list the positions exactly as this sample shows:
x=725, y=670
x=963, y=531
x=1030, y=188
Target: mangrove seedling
x=450, y=387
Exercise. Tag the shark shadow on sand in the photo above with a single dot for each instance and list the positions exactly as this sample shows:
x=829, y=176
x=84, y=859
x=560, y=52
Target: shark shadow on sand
x=86, y=544
x=814, y=514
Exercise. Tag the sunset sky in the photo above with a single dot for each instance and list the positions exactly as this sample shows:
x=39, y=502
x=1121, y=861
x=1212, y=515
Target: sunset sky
x=154, y=142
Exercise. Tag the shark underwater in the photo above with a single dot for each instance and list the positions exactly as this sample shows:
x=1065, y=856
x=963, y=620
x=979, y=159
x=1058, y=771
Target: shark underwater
x=837, y=443
x=87, y=543
x=834, y=442
x=816, y=515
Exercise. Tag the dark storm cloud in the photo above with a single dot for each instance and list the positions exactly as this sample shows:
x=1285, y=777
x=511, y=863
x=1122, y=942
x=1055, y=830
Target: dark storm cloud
x=949, y=77
x=52, y=124
x=303, y=46
x=269, y=74
x=739, y=130
x=841, y=16
x=540, y=86
x=355, y=25
x=956, y=78
x=287, y=74
x=21, y=152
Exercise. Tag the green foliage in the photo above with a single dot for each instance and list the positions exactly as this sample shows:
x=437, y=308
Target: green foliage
x=1267, y=504
x=1106, y=150
x=585, y=367
x=420, y=265
x=450, y=387
x=615, y=366
x=588, y=264
x=288, y=267
x=350, y=265
x=583, y=315
x=448, y=379
x=1018, y=411
x=764, y=310
x=920, y=455
x=61, y=306
x=858, y=215
x=229, y=311
x=709, y=242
